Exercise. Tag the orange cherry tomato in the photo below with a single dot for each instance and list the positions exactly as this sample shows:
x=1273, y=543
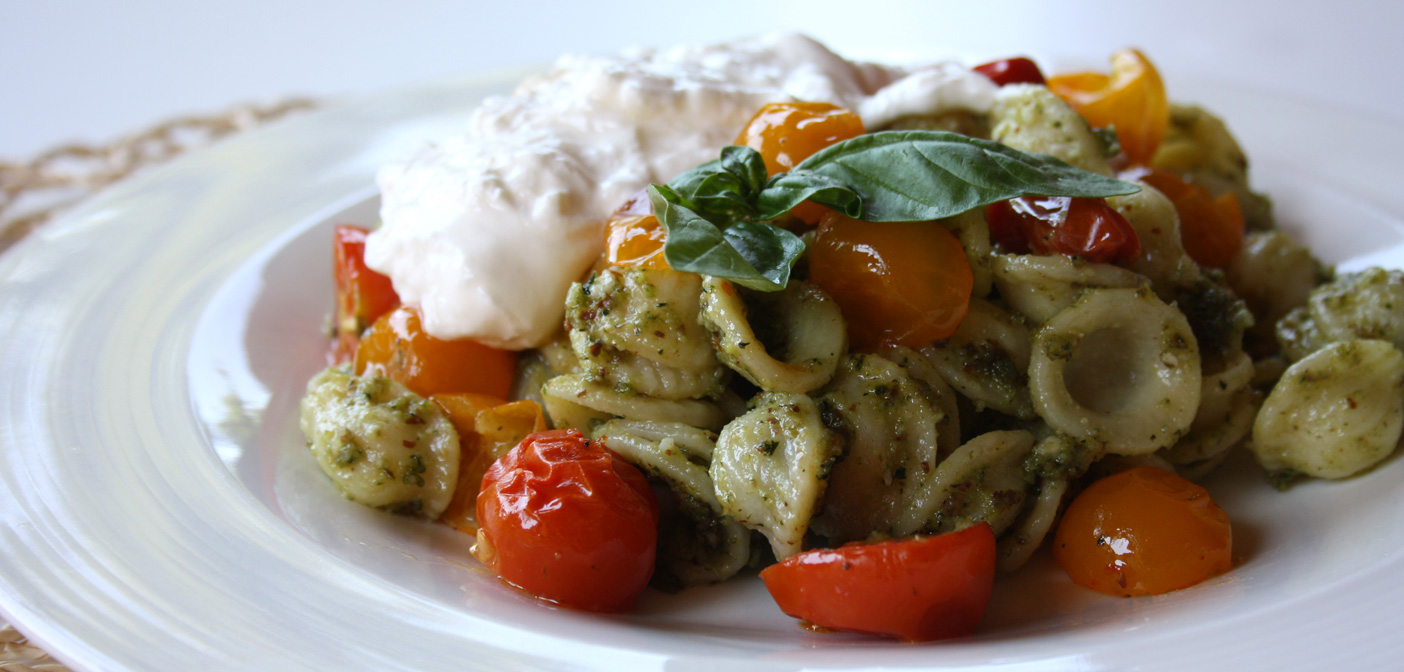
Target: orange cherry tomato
x=1131, y=99
x=487, y=427
x=788, y=133
x=1082, y=227
x=1211, y=229
x=569, y=521
x=916, y=589
x=635, y=240
x=1144, y=531
x=898, y=283
x=1019, y=70
x=397, y=347
x=362, y=295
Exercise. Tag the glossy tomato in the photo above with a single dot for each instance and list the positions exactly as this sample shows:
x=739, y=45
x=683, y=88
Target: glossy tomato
x=1211, y=229
x=1144, y=531
x=1019, y=70
x=362, y=295
x=1082, y=227
x=898, y=283
x=569, y=521
x=914, y=589
x=397, y=346
x=788, y=133
x=1131, y=100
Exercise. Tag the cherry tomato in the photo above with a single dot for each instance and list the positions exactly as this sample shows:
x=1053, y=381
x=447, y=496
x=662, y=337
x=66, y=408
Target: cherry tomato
x=1211, y=229
x=569, y=521
x=487, y=427
x=1131, y=99
x=1083, y=227
x=788, y=133
x=362, y=295
x=1012, y=71
x=397, y=346
x=635, y=240
x=915, y=589
x=902, y=283
x=1144, y=531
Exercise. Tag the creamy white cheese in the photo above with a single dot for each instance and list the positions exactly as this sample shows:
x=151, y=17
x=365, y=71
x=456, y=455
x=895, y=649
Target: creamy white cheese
x=486, y=232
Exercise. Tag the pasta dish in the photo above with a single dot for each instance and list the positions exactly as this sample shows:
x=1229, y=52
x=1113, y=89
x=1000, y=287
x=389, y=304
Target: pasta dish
x=878, y=333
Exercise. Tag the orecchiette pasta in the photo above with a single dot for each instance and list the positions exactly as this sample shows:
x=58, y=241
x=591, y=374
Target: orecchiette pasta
x=983, y=480
x=771, y=467
x=788, y=341
x=576, y=401
x=1228, y=403
x=987, y=360
x=709, y=546
x=1336, y=412
x=637, y=330
x=381, y=444
x=890, y=424
x=1367, y=305
x=1163, y=257
x=1038, y=287
x=1119, y=367
x=1032, y=119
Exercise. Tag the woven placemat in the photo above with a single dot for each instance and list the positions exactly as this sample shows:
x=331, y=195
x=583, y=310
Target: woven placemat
x=35, y=191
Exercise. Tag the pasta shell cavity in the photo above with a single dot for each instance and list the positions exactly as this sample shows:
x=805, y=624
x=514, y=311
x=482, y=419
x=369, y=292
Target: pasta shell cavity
x=987, y=360
x=381, y=445
x=700, y=544
x=1119, y=367
x=787, y=341
x=771, y=467
x=636, y=329
x=1337, y=412
x=891, y=424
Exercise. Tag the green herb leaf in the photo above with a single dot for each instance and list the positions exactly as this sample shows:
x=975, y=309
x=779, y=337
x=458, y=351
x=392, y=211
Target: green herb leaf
x=747, y=165
x=787, y=190
x=909, y=176
x=752, y=254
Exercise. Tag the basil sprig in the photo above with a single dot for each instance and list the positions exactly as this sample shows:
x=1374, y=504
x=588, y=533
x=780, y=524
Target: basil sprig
x=716, y=213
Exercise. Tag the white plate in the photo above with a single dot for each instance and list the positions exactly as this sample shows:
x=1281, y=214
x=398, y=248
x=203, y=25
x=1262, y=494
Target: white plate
x=160, y=512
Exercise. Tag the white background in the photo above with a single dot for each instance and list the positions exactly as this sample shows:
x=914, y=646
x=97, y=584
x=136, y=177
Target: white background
x=92, y=71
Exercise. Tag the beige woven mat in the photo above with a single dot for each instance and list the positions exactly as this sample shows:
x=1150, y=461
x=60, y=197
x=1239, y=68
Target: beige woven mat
x=35, y=191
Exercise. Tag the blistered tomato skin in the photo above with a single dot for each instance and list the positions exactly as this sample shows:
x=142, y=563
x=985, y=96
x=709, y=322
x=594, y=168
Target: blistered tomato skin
x=1019, y=70
x=898, y=283
x=1144, y=531
x=1082, y=227
x=916, y=589
x=569, y=521
x=397, y=347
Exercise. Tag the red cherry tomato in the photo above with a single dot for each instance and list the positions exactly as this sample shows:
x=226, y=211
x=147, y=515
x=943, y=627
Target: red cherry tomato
x=915, y=589
x=1012, y=71
x=1083, y=227
x=1144, y=531
x=362, y=295
x=569, y=521
x=903, y=283
x=397, y=346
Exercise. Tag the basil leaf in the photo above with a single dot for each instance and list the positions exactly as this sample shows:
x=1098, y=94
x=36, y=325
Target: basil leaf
x=713, y=191
x=909, y=176
x=747, y=165
x=752, y=254
x=786, y=190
